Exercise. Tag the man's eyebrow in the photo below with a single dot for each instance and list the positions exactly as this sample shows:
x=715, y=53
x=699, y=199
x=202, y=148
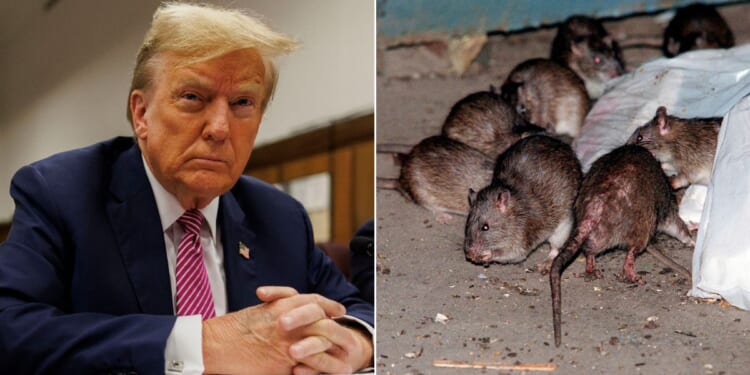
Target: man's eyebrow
x=250, y=87
x=192, y=82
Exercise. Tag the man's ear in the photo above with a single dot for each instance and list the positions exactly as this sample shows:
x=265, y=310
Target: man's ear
x=138, y=106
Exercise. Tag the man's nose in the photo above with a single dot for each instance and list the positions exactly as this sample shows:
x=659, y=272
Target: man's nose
x=217, y=121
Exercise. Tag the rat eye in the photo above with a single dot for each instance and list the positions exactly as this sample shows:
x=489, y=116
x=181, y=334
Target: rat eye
x=485, y=227
x=640, y=138
x=597, y=60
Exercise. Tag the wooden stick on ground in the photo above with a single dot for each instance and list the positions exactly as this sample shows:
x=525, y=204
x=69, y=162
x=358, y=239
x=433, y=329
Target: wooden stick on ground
x=495, y=365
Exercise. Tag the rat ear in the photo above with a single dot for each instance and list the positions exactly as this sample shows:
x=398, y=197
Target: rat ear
x=509, y=91
x=472, y=197
x=662, y=121
x=502, y=201
x=579, y=47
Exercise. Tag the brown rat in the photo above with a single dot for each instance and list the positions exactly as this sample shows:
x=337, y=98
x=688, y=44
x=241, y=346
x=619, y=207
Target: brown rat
x=438, y=172
x=683, y=146
x=548, y=95
x=485, y=121
x=624, y=199
x=529, y=201
x=584, y=45
x=696, y=26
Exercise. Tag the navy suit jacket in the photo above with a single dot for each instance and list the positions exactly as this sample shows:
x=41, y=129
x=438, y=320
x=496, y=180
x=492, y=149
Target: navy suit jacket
x=84, y=282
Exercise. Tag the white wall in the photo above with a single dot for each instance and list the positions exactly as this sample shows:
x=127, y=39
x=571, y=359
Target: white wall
x=65, y=76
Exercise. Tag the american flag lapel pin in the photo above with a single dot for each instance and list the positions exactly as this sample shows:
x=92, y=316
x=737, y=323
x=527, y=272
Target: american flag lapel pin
x=244, y=250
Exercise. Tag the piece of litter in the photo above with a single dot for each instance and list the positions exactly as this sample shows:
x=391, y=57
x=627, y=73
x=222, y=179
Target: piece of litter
x=414, y=354
x=440, y=318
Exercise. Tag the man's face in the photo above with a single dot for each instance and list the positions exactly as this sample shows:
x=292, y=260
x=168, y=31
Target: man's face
x=196, y=125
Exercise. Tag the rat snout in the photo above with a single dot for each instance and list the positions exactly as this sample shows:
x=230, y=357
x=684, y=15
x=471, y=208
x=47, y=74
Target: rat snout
x=476, y=254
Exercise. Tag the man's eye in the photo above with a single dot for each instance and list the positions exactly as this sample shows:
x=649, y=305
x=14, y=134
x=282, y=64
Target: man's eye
x=190, y=96
x=244, y=102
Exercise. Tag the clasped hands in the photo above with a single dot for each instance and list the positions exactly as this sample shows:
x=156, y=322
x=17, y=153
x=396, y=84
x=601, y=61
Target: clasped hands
x=289, y=333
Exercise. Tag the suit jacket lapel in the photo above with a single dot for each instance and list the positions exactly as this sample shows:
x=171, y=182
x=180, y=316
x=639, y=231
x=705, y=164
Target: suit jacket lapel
x=135, y=220
x=240, y=273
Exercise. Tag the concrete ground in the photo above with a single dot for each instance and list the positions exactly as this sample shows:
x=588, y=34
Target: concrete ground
x=434, y=305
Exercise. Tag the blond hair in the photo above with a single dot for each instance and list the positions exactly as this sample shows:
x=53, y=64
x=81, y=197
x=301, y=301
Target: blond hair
x=200, y=32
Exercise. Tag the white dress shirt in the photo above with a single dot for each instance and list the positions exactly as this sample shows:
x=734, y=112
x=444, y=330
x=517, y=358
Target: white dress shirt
x=183, y=353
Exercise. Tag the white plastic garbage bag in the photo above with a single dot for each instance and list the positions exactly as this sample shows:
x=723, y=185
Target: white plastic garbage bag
x=704, y=83
x=721, y=261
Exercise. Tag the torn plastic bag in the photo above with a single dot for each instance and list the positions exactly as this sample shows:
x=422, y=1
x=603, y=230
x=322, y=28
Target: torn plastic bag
x=721, y=261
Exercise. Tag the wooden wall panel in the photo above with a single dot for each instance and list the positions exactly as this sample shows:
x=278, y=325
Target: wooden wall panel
x=345, y=149
x=364, y=182
x=304, y=167
x=342, y=193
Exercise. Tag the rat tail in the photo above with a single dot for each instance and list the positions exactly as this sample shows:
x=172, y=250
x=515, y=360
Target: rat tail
x=393, y=148
x=567, y=254
x=393, y=184
x=399, y=152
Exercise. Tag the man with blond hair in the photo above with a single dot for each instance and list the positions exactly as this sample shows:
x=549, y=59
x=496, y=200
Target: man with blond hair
x=157, y=255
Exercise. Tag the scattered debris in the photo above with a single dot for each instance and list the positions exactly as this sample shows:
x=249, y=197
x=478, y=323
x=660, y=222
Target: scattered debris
x=416, y=354
x=440, y=318
x=496, y=365
x=527, y=291
x=686, y=333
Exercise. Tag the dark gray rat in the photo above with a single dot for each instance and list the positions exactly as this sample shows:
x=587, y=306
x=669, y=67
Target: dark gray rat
x=485, y=121
x=438, y=172
x=584, y=45
x=696, y=26
x=683, y=146
x=548, y=95
x=529, y=202
x=624, y=199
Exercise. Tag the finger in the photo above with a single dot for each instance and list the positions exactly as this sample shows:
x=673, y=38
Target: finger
x=304, y=370
x=326, y=363
x=337, y=334
x=272, y=293
x=331, y=308
x=301, y=316
x=309, y=346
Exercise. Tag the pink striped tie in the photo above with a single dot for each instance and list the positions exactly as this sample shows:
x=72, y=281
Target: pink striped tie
x=193, y=288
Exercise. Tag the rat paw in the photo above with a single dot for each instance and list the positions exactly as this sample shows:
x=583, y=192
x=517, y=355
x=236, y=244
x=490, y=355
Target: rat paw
x=544, y=267
x=590, y=276
x=594, y=275
x=631, y=279
x=692, y=226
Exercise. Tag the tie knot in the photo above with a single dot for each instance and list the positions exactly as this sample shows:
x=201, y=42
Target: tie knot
x=191, y=221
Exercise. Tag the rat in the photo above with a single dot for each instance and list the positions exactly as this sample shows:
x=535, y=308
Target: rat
x=438, y=172
x=624, y=199
x=683, y=146
x=548, y=95
x=529, y=202
x=485, y=121
x=696, y=26
x=584, y=45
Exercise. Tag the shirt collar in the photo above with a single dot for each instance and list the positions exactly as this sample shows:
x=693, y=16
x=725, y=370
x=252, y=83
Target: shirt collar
x=170, y=209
